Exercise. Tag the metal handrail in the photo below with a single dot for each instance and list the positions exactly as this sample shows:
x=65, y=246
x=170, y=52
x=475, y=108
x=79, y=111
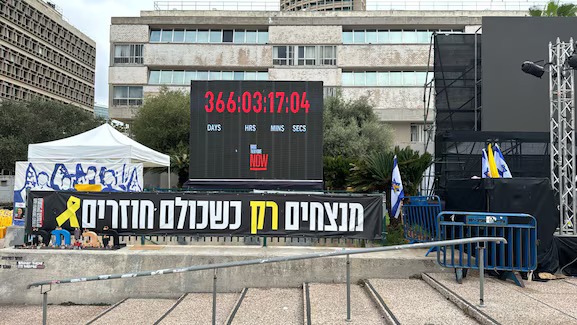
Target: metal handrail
x=217, y=266
x=270, y=260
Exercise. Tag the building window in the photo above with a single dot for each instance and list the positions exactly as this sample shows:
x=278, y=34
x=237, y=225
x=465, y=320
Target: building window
x=127, y=96
x=166, y=36
x=178, y=36
x=180, y=77
x=329, y=92
x=405, y=36
x=419, y=132
x=238, y=36
x=306, y=55
x=282, y=55
x=227, y=36
x=386, y=78
x=328, y=55
x=128, y=53
x=315, y=55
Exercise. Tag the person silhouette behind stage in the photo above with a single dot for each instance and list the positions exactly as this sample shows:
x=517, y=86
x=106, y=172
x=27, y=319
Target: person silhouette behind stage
x=30, y=183
x=43, y=182
x=60, y=173
x=91, y=173
x=133, y=185
x=109, y=182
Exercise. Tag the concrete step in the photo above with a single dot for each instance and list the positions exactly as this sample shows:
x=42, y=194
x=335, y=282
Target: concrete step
x=269, y=306
x=413, y=301
x=136, y=311
x=57, y=314
x=328, y=305
x=196, y=308
x=551, y=302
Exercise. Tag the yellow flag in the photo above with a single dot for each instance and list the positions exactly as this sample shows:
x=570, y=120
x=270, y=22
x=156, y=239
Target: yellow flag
x=492, y=165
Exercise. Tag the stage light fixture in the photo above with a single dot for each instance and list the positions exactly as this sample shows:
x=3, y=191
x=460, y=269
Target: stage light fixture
x=533, y=69
x=572, y=61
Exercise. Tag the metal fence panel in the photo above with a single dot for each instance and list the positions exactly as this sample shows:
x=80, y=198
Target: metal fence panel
x=420, y=218
x=518, y=254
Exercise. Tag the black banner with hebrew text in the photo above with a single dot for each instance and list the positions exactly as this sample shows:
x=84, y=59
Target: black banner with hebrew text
x=216, y=214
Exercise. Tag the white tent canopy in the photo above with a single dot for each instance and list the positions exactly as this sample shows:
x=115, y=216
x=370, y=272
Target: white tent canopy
x=102, y=144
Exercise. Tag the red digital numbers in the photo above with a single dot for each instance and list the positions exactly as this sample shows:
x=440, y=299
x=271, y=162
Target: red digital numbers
x=256, y=102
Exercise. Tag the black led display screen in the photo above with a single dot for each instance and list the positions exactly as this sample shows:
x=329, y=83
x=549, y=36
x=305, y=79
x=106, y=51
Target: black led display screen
x=256, y=130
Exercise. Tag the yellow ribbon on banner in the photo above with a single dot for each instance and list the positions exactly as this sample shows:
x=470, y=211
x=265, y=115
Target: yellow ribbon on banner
x=72, y=206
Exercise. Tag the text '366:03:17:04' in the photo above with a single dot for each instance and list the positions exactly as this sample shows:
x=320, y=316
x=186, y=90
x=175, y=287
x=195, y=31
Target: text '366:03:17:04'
x=257, y=102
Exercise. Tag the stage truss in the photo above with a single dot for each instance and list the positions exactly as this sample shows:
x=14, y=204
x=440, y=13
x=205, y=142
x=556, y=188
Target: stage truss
x=562, y=119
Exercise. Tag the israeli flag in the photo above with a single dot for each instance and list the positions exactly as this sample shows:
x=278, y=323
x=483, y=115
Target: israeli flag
x=397, y=193
x=502, y=167
x=485, y=165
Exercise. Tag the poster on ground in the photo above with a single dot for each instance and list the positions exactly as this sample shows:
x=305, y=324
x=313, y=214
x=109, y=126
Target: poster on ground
x=50, y=176
x=210, y=214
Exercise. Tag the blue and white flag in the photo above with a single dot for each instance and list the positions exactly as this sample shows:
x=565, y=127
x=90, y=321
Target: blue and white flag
x=397, y=192
x=502, y=167
x=485, y=165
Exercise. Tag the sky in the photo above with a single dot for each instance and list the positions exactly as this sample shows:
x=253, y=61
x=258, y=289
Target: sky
x=92, y=17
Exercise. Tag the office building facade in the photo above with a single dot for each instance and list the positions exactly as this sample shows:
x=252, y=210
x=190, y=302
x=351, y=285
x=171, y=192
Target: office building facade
x=322, y=5
x=101, y=111
x=382, y=55
x=43, y=56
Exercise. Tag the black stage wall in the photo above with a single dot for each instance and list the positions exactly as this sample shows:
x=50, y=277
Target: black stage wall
x=461, y=132
x=455, y=67
x=512, y=100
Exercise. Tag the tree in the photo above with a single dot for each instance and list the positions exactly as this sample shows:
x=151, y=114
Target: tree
x=554, y=9
x=373, y=171
x=351, y=129
x=26, y=122
x=180, y=162
x=163, y=124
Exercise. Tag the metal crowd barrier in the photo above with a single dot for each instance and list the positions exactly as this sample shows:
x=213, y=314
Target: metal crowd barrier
x=518, y=254
x=420, y=218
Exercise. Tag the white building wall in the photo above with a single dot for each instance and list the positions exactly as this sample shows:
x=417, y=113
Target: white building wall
x=329, y=76
x=298, y=35
x=119, y=75
x=388, y=97
x=129, y=33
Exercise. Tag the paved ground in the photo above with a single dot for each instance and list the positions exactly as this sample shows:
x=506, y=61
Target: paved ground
x=553, y=302
x=329, y=305
x=436, y=310
x=17, y=314
x=197, y=309
x=271, y=306
x=137, y=311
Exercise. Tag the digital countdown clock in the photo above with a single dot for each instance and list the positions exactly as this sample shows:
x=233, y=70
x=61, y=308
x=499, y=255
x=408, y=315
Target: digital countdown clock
x=256, y=134
x=256, y=102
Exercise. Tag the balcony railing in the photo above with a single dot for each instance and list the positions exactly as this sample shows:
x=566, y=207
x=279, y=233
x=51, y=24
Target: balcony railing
x=218, y=5
x=464, y=5
x=423, y=5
